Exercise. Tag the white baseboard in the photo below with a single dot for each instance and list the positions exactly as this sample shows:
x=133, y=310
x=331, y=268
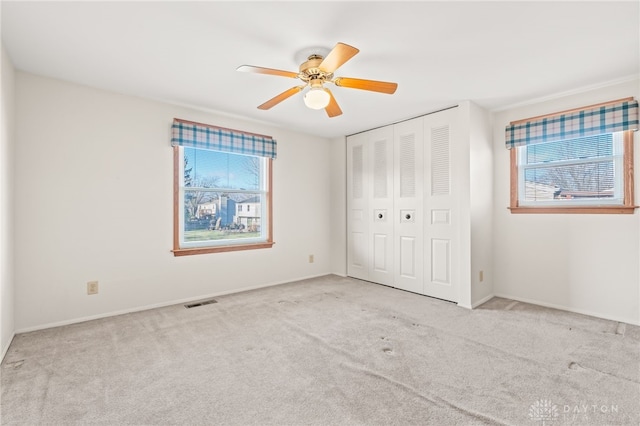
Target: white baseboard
x=483, y=300
x=159, y=305
x=239, y=290
x=6, y=348
x=570, y=309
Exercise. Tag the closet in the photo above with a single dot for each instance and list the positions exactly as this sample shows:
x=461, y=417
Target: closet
x=405, y=200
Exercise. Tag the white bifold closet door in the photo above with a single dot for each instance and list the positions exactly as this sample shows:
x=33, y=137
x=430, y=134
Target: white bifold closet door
x=380, y=143
x=441, y=213
x=401, y=224
x=358, y=207
x=408, y=179
x=370, y=206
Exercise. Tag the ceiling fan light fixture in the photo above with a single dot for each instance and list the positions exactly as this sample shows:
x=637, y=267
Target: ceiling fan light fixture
x=315, y=71
x=316, y=98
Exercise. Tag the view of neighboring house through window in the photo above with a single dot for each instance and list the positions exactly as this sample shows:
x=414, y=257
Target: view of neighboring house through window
x=214, y=187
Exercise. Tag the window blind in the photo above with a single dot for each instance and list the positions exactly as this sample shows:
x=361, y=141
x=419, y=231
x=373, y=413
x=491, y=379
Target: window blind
x=584, y=169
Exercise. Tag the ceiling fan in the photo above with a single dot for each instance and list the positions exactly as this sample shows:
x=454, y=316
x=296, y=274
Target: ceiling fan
x=316, y=71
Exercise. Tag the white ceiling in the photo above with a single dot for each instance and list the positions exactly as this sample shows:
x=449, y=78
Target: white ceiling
x=493, y=53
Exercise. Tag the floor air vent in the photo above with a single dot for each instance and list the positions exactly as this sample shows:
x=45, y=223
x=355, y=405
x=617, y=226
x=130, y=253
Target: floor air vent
x=200, y=303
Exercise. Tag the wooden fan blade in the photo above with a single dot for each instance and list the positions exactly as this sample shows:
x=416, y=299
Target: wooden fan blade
x=333, y=110
x=340, y=54
x=372, y=85
x=281, y=97
x=269, y=71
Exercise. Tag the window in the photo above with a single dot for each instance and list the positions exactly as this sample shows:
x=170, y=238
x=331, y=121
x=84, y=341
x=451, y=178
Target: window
x=575, y=161
x=210, y=187
x=578, y=172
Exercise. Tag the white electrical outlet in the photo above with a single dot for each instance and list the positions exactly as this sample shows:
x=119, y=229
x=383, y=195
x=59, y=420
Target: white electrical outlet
x=92, y=287
x=311, y=258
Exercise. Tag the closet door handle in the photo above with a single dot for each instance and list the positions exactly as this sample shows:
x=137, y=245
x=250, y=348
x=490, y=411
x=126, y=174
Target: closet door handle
x=380, y=216
x=407, y=216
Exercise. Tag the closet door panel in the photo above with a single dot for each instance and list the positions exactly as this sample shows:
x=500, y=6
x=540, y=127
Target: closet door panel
x=357, y=208
x=440, y=242
x=408, y=205
x=380, y=159
x=407, y=265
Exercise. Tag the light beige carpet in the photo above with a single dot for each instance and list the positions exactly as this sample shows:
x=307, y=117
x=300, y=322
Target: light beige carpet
x=328, y=351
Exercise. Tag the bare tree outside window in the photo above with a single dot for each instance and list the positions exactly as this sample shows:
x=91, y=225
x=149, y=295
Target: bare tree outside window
x=573, y=169
x=252, y=167
x=195, y=198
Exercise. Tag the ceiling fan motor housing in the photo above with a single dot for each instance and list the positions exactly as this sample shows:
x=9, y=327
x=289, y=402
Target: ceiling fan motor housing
x=310, y=70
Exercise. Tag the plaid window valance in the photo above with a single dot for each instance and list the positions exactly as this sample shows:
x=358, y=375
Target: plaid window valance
x=204, y=136
x=611, y=117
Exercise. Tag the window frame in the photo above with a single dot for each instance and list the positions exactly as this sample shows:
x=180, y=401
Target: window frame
x=178, y=251
x=627, y=206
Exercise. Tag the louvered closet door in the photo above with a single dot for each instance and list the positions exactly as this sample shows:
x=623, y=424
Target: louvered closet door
x=358, y=215
x=380, y=145
x=408, y=205
x=441, y=215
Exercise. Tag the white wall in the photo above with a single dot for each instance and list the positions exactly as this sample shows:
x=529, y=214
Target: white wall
x=473, y=170
x=461, y=186
x=93, y=176
x=582, y=263
x=93, y=199
x=481, y=203
x=7, y=97
x=338, y=225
